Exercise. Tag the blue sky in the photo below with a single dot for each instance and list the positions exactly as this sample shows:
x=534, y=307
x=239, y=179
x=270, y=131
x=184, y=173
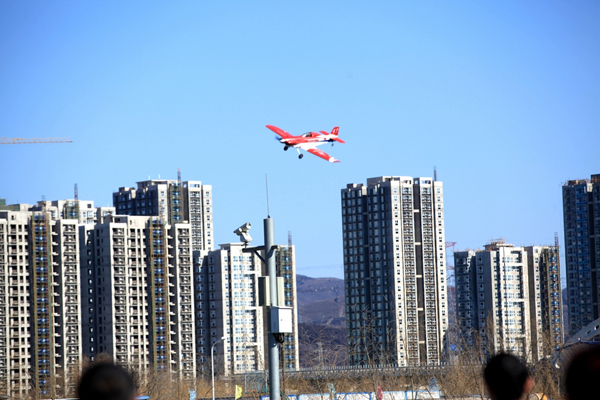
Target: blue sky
x=503, y=97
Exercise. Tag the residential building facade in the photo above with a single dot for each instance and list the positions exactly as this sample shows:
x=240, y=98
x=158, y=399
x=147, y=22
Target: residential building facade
x=122, y=285
x=581, y=213
x=286, y=268
x=174, y=202
x=83, y=211
x=227, y=307
x=40, y=316
x=544, y=267
x=395, y=271
x=508, y=298
x=138, y=293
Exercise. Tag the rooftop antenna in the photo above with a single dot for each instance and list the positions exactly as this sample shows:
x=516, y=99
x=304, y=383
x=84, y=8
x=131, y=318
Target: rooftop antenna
x=267, y=184
x=76, y=193
x=179, y=176
x=556, y=239
x=434, y=173
x=290, y=238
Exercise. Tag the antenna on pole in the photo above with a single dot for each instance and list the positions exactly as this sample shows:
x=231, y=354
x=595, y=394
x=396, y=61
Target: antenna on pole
x=76, y=193
x=556, y=239
x=267, y=184
x=434, y=173
x=179, y=176
x=290, y=238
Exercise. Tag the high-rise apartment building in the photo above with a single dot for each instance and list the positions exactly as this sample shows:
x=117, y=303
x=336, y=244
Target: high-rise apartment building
x=40, y=300
x=285, y=265
x=77, y=281
x=227, y=307
x=82, y=211
x=544, y=266
x=581, y=212
x=138, y=293
x=174, y=202
x=508, y=298
x=395, y=271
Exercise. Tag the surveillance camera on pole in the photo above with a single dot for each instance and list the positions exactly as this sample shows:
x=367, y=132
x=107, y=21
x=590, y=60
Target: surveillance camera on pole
x=242, y=232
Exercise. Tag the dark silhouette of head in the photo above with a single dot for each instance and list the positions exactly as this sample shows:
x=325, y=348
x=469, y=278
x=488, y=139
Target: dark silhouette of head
x=106, y=381
x=506, y=377
x=583, y=375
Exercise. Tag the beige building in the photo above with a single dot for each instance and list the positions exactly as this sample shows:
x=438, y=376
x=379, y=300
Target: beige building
x=138, y=293
x=40, y=316
x=173, y=201
x=227, y=306
x=394, y=271
x=77, y=281
x=508, y=298
x=81, y=210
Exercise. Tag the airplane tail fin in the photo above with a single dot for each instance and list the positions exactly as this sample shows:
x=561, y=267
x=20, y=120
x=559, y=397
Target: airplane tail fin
x=335, y=132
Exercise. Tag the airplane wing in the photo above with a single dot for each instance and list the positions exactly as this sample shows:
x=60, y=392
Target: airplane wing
x=279, y=131
x=322, y=154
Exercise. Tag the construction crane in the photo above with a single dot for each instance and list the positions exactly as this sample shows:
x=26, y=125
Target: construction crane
x=6, y=140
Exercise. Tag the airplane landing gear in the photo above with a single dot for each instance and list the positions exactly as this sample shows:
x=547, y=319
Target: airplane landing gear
x=285, y=148
x=300, y=156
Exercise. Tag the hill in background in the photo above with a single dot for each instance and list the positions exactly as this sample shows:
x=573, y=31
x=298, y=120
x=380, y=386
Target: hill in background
x=321, y=301
x=322, y=322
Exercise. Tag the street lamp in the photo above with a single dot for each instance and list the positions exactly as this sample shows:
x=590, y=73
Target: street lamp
x=212, y=364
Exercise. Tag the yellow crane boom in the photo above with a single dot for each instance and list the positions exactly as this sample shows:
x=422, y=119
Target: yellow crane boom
x=5, y=140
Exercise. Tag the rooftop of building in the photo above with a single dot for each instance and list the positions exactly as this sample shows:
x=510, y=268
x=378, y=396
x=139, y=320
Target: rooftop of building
x=15, y=207
x=595, y=178
x=381, y=179
x=154, y=182
x=495, y=244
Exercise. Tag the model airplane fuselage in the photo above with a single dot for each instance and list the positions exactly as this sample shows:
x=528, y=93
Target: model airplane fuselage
x=309, y=141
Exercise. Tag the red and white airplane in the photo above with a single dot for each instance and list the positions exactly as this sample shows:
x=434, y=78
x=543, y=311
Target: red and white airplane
x=309, y=141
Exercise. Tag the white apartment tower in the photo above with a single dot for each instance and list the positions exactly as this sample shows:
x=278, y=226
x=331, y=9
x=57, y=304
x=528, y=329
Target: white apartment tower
x=83, y=211
x=227, y=307
x=138, y=293
x=508, y=298
x=173, y=201
x=40, y=316
x=76, y=281
x=394, y=271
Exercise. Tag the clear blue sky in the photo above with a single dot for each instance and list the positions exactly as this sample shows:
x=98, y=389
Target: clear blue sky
x=503, y=97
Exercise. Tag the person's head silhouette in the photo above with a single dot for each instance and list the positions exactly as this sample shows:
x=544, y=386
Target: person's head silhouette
x=507, y=378
x=106, y=381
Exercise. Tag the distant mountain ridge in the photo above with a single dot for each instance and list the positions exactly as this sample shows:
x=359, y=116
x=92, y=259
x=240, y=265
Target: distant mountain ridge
x=322, y=322
x=321, y=301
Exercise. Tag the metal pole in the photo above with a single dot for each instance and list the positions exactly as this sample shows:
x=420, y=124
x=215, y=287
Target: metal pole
x=212, y=366
x=271, y=270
